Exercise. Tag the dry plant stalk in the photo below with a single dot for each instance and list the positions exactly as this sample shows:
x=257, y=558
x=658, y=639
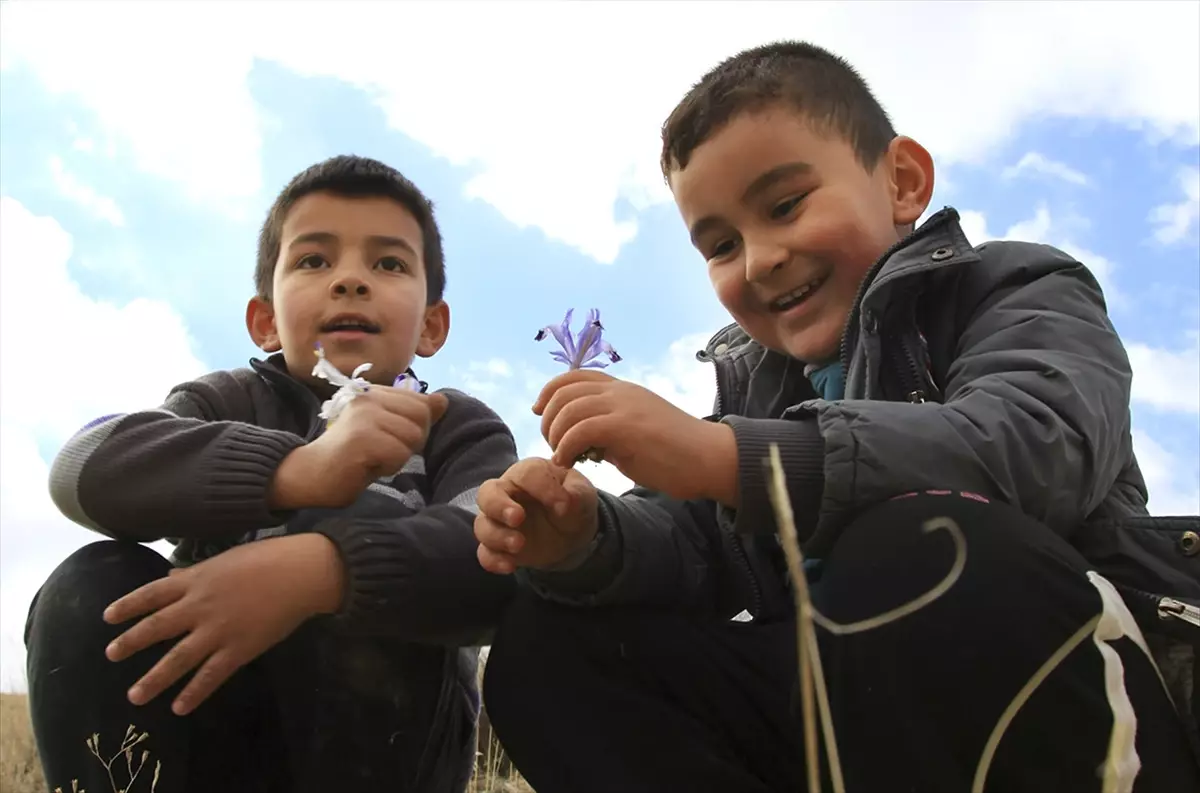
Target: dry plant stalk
x=811, y=676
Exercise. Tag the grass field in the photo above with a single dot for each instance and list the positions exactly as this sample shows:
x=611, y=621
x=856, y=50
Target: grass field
x=21, y=773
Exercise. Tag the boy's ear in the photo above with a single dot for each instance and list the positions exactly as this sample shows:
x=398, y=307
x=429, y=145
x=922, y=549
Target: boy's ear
x=912, y=180
x=260, y=322
x=435, y=329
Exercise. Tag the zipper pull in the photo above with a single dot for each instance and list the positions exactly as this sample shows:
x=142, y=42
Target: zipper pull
x=1170, y=607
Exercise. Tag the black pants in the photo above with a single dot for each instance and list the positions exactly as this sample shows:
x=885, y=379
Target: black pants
x=311, y=714
x=623, y=700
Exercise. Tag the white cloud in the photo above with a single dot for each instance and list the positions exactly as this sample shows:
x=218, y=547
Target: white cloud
x=552, y=129
x=1174, y=487
x=1045, y=229
x=85, y=195
x=1167, y=380
x=90, y=358
x=1174, y=221
x=1035, y=163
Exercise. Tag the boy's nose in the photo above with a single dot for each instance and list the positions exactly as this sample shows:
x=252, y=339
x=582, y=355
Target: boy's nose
x=344, y=287
x=763, y=259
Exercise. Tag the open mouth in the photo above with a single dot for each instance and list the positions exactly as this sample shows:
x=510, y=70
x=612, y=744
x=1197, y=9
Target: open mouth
x=796, y=296
x=352, y=323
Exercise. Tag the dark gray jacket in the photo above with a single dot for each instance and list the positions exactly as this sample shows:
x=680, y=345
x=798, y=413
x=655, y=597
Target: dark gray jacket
x=993, y=370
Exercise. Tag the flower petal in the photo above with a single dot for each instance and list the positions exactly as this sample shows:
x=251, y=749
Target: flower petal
x=561, y=334
x=588, y=346
x=608, y=350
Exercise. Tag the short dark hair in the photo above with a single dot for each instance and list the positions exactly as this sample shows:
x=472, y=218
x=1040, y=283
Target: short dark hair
x=352, y=177
x=811, y=80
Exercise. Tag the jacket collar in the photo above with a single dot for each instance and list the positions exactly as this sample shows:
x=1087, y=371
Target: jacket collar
x=274, y=370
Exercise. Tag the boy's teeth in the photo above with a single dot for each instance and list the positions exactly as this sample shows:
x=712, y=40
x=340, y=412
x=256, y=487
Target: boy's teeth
x=794, y=295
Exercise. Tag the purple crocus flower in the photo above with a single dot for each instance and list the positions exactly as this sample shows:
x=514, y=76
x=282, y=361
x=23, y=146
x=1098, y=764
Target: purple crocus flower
x=580, y=351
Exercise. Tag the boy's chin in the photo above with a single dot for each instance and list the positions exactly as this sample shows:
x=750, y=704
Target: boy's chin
x=813, y=346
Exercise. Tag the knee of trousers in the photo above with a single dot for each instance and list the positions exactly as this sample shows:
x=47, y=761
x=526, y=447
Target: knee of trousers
x=535, y=641
x=69, y=606
x=980, y=552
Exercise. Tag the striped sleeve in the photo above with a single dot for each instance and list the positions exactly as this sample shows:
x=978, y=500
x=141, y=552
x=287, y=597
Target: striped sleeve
x=194, y=467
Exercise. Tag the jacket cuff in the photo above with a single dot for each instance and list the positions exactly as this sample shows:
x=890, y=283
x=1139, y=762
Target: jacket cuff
x=367, y=575
x=594, y=569
x=240, y=473
x=802, y=450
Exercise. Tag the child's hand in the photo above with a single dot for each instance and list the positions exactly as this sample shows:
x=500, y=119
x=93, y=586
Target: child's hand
x=648, y=439
x=536, y=515
x=229, y=609
x=373, y=436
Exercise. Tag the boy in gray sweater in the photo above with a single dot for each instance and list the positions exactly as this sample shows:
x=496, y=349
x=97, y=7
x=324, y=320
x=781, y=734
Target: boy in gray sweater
x=324, y=574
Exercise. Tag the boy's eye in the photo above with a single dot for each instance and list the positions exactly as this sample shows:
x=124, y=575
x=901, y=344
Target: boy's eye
x=722, y=248
x=784, y=208
x=311, y=261
x=391, y=264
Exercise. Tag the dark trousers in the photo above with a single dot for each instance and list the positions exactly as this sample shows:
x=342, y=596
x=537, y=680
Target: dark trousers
x=624, y=700
x=315, y=713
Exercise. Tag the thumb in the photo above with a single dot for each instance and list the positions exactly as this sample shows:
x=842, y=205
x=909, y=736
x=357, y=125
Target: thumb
x=438, y=403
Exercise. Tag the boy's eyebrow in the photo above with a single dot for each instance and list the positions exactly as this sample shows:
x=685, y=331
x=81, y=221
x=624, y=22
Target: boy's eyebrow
x=764, y=182
x=772, y=177
x=374, y=240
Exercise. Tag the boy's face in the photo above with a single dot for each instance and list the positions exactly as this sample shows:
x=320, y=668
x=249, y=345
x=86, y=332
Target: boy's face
x=790, y=221
x=350, y=275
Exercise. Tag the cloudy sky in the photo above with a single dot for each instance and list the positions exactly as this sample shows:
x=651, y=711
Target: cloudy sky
x=141, y=144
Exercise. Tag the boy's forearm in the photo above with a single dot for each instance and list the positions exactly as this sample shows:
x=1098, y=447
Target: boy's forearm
x=145, y=475
x=651, y=550
x=802, y=450
x=417, y=578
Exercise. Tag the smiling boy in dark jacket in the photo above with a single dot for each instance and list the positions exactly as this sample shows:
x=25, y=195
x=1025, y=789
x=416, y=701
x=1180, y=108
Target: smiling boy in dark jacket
x=325, y=577
x=935, y=405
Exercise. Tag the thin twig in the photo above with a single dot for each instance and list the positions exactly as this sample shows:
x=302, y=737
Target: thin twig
x=785, y=520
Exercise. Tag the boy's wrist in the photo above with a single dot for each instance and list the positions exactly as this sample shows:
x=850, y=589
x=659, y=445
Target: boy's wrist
x=290, y=487
x=321, y=572
x=720, y=456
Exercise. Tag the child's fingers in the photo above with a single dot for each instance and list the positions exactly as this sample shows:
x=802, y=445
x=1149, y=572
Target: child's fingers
x=437, y=406
x=596, y=431
x=561, y=381
x=493, y=562
x=151, y=597
x=495, y=500
x=571, y=404
x=497, y=536
x=185, y=656
x=541, y=481
x=158, y=627
x=219, y=667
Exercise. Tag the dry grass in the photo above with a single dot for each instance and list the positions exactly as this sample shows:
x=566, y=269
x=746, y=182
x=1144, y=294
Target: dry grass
x=19, y=769
x=21, y=773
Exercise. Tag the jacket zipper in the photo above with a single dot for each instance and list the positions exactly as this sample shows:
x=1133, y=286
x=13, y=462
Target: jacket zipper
x=856, y=309
x=1170, y=608
x=755, y=592
x=909, y=370
x=734, y=540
